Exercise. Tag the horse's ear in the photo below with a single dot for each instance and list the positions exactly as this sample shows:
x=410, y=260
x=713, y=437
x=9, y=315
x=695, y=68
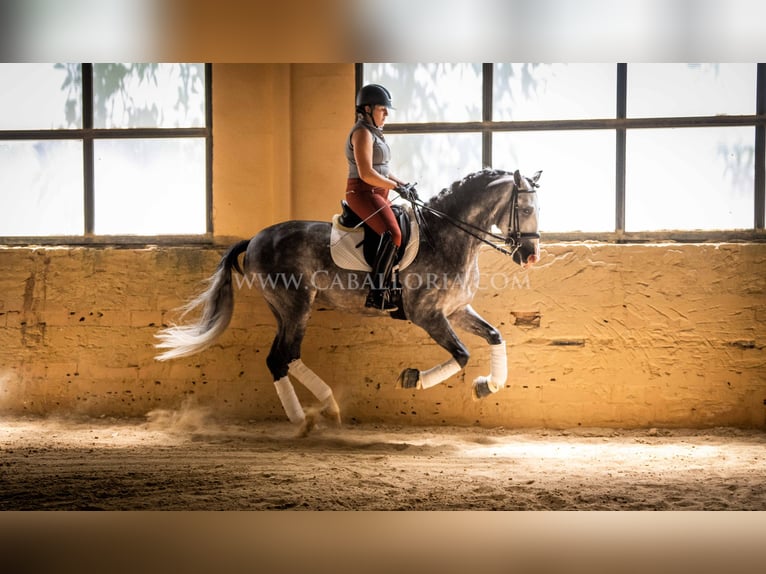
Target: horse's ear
x=517, y=178
x=537, y=175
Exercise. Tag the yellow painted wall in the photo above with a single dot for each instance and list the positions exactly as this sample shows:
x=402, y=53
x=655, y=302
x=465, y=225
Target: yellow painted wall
x=278, y=132
x=251, y=147
x=323, y=113
x=627, y=336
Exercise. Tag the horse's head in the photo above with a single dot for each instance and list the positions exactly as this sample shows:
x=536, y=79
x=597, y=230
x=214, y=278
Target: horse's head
x=512, y=202
x=522, y=235
x=524, y=220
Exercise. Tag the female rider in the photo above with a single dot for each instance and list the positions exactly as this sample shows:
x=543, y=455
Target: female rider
x=369, y=181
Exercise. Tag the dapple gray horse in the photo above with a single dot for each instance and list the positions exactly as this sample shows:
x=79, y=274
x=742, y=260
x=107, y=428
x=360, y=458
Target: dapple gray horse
x=458, y=221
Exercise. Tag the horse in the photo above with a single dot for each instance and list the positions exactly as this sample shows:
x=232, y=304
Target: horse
x=458, y=222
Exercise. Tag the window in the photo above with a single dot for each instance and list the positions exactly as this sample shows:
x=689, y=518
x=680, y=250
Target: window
x=112, y=149
x=627, y=150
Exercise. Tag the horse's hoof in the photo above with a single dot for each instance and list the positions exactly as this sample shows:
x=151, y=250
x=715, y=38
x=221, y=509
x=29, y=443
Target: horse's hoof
x=331, y=411
x=307, y=425
x=481, y=388
x=408, y=379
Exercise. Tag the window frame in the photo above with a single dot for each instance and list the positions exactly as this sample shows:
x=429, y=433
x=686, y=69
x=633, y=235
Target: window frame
x=88, y=135
x=620, y=124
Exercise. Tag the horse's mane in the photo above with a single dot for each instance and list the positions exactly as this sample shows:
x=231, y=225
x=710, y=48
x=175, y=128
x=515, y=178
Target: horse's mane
x=478, y=179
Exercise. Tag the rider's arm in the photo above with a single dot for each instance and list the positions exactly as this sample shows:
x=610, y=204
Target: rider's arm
x=362, y=142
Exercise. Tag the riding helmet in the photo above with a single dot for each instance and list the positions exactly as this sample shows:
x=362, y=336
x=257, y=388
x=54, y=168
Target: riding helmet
x=373, y=95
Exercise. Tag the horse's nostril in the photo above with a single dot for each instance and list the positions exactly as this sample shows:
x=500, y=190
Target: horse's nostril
x=532, y=259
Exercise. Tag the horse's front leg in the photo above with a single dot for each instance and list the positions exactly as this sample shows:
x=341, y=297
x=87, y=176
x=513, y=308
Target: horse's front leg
x=440, y=330
x=468, y=319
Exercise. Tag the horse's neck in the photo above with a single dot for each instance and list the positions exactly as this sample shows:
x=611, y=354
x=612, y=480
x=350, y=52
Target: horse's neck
x=481, y=210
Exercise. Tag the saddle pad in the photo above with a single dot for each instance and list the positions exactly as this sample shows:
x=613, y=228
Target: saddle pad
x=346, y=246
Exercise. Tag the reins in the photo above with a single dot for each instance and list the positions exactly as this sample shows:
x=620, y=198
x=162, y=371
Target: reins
x=513, y=238
x=470, y=229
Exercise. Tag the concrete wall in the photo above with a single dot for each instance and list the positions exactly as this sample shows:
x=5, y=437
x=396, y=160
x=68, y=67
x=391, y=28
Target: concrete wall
x=599, y=334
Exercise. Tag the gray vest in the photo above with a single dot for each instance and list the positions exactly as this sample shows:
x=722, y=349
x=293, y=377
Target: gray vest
x=381, y=153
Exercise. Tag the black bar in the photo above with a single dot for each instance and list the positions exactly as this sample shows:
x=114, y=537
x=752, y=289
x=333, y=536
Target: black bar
x=87, y=97
x=633, y=237
x=108, y=133
x=209, y=147
x=621, y=148
x=88, y=171
x=358, y=82
x=487, y=73
x=563, y=125
x=118, y=240
x=358, y=78
x=419, y=128
x=760, y=151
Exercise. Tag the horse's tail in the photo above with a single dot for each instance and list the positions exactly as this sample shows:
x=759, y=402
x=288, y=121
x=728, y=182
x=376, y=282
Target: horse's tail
x=217, y=303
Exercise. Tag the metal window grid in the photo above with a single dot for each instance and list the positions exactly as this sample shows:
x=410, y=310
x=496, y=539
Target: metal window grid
x=88, y=134
x=620, y=124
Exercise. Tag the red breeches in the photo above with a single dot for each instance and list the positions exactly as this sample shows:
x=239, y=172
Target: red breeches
x=371, y=204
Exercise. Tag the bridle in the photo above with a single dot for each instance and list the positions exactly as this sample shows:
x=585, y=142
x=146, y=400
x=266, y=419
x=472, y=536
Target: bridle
x=514, y=237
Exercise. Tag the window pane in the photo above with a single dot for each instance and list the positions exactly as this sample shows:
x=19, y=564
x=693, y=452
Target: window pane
x=553, y=91
x=40, y=96
x=148, y=95
x=434, y=161
x=41, y=188
x=150, y=187
x=663, y=90
x=577, y=185
x=685, y=179
x=430, y=92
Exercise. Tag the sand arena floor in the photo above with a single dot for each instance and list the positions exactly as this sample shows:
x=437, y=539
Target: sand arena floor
x=186, y=460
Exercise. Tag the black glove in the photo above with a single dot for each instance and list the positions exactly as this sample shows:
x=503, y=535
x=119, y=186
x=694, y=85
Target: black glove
x=407, y=191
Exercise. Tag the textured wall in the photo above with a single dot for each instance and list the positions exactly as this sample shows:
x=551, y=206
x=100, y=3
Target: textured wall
x=599, y=335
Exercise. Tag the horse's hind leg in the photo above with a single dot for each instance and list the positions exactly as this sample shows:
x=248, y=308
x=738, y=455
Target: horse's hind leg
x=284, y=358
x=277, y=362
x=468, y=319
x=318, y=388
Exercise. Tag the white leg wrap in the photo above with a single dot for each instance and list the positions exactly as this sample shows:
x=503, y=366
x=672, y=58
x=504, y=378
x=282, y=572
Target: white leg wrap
x=290, y=401
x=310, y=380
x=438, y=374
x=498, y=368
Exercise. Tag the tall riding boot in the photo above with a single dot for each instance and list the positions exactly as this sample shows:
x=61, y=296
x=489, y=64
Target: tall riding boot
x=384, y=263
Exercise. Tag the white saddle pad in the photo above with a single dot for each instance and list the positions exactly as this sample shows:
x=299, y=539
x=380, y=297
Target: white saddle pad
x=347, y=251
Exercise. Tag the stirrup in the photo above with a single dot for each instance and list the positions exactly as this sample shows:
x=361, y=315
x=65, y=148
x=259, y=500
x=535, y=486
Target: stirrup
x=378, y=299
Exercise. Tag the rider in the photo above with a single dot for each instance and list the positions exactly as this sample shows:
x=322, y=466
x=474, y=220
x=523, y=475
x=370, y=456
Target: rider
x=369, y=181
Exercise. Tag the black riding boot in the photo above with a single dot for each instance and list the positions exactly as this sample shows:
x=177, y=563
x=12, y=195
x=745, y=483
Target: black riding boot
x=378, y=296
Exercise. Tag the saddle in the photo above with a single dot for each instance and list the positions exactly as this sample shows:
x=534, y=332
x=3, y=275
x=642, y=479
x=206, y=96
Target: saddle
x=371, y=240
x=353, y=244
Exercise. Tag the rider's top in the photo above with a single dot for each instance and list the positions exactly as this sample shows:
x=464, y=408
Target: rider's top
x=381, y=153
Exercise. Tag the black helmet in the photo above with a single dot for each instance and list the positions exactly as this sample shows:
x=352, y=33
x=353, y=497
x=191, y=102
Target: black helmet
x=373, y=95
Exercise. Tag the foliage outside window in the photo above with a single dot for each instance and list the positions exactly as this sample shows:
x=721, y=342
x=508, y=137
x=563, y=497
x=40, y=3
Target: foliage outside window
x=104, y=149
x=628, y=148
